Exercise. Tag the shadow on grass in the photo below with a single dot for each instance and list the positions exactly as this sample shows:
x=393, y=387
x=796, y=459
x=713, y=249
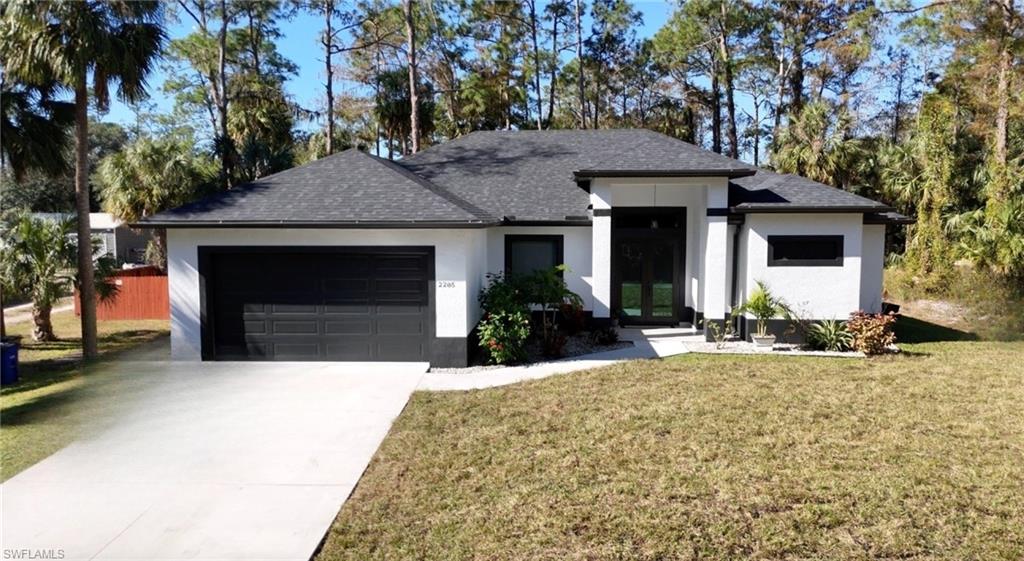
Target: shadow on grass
x=912, y=330
x=35, y=374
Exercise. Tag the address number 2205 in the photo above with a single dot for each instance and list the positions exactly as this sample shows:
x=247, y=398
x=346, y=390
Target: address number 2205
x=446, y=284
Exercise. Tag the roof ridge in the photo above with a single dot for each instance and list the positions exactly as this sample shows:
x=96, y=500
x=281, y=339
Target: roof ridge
x=448, y=196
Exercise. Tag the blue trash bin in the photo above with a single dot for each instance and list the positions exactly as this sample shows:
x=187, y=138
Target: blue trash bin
x=8, y=363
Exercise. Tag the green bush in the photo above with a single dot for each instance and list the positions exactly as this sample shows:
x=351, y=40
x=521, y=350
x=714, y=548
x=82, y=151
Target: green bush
x=829, y=335
x=506, y=323
x=503, y=336
x=547, y=289
x=871, y=334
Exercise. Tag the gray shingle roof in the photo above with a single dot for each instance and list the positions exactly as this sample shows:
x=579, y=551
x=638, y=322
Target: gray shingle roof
x=529, y=175
x=350, y=187
x=485, y=177
x=767, y=191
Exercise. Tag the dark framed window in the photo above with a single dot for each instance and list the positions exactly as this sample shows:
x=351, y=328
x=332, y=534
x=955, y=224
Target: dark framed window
x=525, y=254
x=805, y=251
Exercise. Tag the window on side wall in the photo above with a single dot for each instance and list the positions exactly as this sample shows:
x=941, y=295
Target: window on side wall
x=805, y=251
x=526, y=254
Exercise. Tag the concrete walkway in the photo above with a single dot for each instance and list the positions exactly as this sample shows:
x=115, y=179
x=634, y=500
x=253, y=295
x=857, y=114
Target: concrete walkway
x=647, y=343
x=209, y=461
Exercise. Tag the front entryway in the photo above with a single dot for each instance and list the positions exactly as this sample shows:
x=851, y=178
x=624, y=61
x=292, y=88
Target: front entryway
x=648, y=262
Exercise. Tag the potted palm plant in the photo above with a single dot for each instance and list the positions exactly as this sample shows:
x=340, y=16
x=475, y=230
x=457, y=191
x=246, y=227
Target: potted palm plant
x=763, y=306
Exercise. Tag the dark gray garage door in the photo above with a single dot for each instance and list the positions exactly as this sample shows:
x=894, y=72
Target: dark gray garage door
x=317, y=303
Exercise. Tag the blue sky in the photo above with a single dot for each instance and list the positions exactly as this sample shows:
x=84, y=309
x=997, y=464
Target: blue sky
x=299, y=44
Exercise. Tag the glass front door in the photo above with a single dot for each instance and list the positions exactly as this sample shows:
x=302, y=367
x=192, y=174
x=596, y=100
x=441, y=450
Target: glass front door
x=647, y=280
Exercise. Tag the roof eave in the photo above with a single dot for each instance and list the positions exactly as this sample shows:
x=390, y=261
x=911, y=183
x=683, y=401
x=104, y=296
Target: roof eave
x=730, y=173
x=334, y=224
x=807, y=209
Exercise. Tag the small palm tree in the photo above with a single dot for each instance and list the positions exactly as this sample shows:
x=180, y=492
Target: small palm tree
x=38, y=259
x=764, y=306
x=113, y=42
x=150, y=176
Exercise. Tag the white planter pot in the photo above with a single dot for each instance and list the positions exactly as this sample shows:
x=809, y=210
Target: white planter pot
x=763, y=342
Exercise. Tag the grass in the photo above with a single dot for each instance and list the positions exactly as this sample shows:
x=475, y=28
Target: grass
x=710, y=457
x=39, y=415
x=975, y=303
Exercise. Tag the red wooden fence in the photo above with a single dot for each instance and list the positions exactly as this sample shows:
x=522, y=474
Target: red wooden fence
x=142, y=294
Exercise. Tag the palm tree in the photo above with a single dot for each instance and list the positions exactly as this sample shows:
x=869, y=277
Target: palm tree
x=37, y=258
x=34, y=129
x=33, y=135
x=150, y=176
x=814, y=146
x=113, y=42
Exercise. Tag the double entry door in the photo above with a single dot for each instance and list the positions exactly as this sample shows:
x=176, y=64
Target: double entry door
x=647, y=280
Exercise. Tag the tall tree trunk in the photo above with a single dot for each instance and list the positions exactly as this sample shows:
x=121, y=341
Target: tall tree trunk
x=536, y=65
x=730, y=94
x=716, y=112
x=42, y=328
x=222, y=98
x=414, y=98
x=780, y=97
x=329, y=71
x=898, y=107
x=3, y=318
x=579, y=61
x=376, y=95
x=757, y=133
x=796, y=81
x=1002, y=103
x=159, y=241
x=86, y=284
x=554, y=69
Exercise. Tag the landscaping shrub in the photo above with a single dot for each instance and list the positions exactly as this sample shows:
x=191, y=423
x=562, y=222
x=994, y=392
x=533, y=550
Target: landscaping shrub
x=605, y=336
x=503, y=336
x=871, y=334
x=547, y=289
x=506, y=323
x=829, y=335
x=573, y=318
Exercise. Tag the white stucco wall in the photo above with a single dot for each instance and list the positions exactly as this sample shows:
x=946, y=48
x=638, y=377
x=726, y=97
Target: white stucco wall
x=871, y=266
x=813, y=292
x=457, y=253
x=576, y=251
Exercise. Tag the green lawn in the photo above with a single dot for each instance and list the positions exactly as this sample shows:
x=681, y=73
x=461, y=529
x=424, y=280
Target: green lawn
x=710, y=457
x=43, y=412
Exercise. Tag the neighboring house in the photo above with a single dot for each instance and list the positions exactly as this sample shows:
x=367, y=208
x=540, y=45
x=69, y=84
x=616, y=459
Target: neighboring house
x=113, y=237
x=353, y=257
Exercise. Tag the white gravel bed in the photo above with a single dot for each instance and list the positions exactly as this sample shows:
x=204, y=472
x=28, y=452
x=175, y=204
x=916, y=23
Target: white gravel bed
x=576, y=345
x=745, y=348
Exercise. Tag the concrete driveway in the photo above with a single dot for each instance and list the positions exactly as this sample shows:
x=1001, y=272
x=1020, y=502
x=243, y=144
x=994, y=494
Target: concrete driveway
x=209, y=461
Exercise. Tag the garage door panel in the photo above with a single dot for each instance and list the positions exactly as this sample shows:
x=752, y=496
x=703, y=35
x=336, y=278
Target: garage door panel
x=317, y=304
x=293, y=327
x=310, y=309
x=296, y=351
x=399, y=326
x=349, y=327
x=350, y=350
x=341, y=308
x=399, y=350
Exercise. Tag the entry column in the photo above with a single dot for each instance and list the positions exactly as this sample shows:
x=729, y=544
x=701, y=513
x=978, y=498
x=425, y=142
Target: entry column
x=714, y=276
x=601, y=246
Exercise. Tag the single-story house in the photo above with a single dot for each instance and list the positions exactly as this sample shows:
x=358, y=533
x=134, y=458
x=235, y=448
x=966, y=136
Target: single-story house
x=354, y=257
x=112, y=236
